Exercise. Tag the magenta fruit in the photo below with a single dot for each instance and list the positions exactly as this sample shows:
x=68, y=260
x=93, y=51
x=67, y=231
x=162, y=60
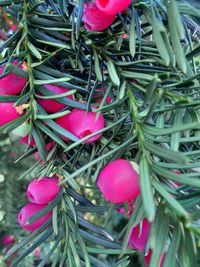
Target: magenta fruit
x=26, y=212
x=138, y=235
x=51, y=105
x=7, y=240
x=94, y=19
x=11, y=84
x=8, y=113
x=42, y=191
x=82, y=123
x=112, y=7
x=118, y=181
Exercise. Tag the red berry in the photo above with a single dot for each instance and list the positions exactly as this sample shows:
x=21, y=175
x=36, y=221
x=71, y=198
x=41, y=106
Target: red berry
x=100, y=95
x=138, y=235
x=118, y=181
x=50, y=105
x=42, y=191
x=36, y=252
x=24, y=140
x=8, y=113
x=13, y=27
x=112, y=7
x=94, y=19
x=26, y=212
x=11, y=84
x=7, y=240
x=82, y=123
x=48, y=147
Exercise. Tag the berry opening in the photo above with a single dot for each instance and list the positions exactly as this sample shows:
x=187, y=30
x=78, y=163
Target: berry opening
x=20, y=217
x=30, y=196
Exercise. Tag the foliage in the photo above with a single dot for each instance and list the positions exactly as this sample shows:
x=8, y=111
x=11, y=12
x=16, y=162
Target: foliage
x=149, y=62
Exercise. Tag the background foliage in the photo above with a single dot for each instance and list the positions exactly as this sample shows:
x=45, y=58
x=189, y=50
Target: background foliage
x=149, y=62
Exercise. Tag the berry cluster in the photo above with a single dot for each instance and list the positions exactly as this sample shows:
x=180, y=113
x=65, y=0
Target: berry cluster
x=78, y=122
x=118, y=183
x=39, y=192
x=118, y=180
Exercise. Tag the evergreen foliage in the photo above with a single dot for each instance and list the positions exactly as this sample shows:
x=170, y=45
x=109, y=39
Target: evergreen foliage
x=148, y=60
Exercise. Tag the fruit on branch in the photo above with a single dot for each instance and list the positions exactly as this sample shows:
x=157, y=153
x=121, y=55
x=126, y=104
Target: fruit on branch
x=94, y=19
x=42, y=191
x=112, y=7
x=7, y=240
x=121, y=210
x=99, y=95
x=82, y=123
x=51, y=105
x=118, y=181
x=36, y=252
x=13, y=27
x=48, y=148
x=27, y=211
x=24, y=140
x=138, y=235
x=11, y=84
x=147, y=258
x=8, y=113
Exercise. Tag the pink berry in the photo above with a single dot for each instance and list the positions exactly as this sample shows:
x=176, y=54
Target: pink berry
x=118, y=181
x=112, y=7
x=36, y=252
x=147, y=258
x=7, y=240
x=27, y=211
x=82, y=123
x=138, y=235
x=121, y=210
x=42, y=191
x=100, y=95
x=11, y=84
x=94, y=19
x=24, y=140
x=13, y=27
x=50, y=105
x=48, y=147
x=8, y=113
